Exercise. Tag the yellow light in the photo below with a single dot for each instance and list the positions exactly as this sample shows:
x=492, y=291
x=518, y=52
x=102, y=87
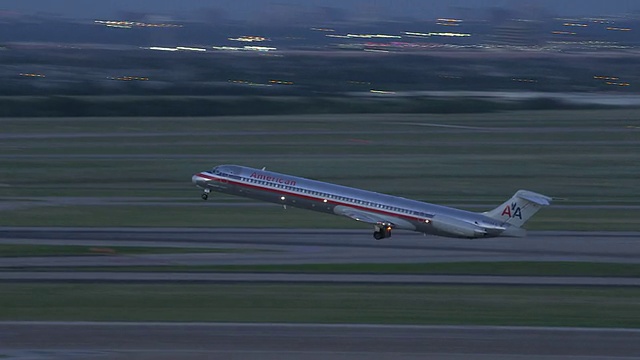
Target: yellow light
x=447, y=34
x=249, y=39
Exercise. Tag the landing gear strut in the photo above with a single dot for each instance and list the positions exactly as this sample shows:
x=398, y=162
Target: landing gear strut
x=382, y=232
x=205, y=194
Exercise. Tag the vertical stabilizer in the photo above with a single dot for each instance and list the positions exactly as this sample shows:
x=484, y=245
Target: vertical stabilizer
x=517, y=210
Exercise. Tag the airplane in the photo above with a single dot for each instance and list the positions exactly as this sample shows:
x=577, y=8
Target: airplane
x=384, y=212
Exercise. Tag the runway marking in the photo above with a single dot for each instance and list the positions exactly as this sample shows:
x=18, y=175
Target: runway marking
x=445, y=126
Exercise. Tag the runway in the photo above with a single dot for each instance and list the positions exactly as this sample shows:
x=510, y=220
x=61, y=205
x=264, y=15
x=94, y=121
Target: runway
x=306, y=278
x=313, y=246
x=192, y=341
x=195, y=341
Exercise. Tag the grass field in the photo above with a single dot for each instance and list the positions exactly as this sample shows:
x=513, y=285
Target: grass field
x=582, y=157
x=502, y=268
x=482, y=305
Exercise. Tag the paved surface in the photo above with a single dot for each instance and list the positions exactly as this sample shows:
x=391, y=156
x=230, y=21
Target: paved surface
x=300, y=246
x=213, y=277
x=159, y=341
x=14, y=203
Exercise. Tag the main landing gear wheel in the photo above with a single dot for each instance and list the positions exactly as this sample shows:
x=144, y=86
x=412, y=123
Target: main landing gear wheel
x=382, y=232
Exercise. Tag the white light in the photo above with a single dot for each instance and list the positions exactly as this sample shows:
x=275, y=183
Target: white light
x=259, y=48
x=226, y=48
x=281, y=197
x=325, y=200
x=372, y=36
x=187, y=48
x=160, y=48
x=381, y=91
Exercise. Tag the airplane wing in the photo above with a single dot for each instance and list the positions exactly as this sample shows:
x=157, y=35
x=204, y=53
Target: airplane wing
x=363, y=216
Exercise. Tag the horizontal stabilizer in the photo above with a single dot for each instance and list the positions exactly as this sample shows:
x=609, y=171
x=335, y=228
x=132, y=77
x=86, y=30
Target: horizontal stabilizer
x=536, y=198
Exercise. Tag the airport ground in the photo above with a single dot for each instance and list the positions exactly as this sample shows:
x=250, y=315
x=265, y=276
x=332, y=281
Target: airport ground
x=91, y=340
x=70, y=184
x=555, y=295
x=68, y=171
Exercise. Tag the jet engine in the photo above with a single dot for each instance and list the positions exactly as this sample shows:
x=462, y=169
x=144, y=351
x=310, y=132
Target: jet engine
x=457, y=228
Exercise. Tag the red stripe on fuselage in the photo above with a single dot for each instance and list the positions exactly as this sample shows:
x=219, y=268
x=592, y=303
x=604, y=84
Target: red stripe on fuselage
x=207, y=176
x=321, y=200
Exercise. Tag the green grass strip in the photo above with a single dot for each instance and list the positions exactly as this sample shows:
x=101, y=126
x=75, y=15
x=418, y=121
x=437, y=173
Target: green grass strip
x=507, y=268
x=383, y=304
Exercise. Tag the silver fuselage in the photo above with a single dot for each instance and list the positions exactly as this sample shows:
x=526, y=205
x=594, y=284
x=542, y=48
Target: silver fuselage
x=332, y=199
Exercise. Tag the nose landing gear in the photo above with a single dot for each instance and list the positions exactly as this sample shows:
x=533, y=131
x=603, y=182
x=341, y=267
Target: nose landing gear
x=205, y=194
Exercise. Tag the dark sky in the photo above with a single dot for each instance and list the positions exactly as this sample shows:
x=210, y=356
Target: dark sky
x=248, y=9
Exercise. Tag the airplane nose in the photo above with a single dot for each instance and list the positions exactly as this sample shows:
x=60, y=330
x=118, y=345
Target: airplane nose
x=198, y=180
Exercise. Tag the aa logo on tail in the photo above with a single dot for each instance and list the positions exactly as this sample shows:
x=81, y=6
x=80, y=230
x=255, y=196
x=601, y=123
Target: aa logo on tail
x=512, y=211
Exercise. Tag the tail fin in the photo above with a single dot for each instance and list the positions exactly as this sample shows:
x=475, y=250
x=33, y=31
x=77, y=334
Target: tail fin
x=517, y=210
